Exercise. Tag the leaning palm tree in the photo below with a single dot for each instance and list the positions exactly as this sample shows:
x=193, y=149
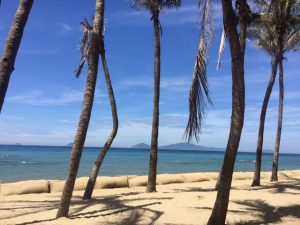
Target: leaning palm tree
x=276, y=31
x=90, y=53
x=11, y=48
x=97, y=165
x=155, y=7
x=237, y=47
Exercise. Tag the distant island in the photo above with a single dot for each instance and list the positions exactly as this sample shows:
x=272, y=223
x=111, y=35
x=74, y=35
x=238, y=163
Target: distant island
x=69, y=145
x=187, y=146
x=141, y=146
x=179, y=146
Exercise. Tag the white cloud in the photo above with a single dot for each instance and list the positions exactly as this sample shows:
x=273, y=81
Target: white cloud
x=38, y=97
x=175, y=83
x=65, y=28
x=39, y=51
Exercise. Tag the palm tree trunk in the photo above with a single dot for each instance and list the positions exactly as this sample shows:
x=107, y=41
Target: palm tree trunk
x=11, y=48
x=274, y=176
x=242, y=38
x=219, y=211
x=256, y=179
x=151, y=186
x=97, y=165
x=85, y=113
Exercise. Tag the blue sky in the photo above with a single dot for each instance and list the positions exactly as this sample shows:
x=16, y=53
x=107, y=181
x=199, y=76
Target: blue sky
x=44, y=98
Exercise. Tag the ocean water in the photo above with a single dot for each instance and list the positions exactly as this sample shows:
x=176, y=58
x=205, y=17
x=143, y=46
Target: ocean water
x=45, y=162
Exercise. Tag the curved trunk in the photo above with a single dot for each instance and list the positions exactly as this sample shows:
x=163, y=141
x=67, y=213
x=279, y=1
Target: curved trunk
x=97, y=165
x=85, y=112
x=256, y=179
x=11, y=48
x=274, y=176
x=219, y=211
x=242, y=38
x=151, y=185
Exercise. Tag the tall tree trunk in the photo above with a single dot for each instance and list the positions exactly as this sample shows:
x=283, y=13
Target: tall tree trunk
x=274, y=176
x=85, y=113
x=243, y=22
x=219, y=211
x=256, y=179
x=11, y=48
x=151, y=186
x=97, y=165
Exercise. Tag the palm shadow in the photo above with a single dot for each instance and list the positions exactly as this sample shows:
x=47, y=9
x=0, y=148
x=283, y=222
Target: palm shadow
x=110, y=205
x=267, y=213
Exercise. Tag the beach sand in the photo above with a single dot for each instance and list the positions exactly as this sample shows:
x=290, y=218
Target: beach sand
x=180, y=203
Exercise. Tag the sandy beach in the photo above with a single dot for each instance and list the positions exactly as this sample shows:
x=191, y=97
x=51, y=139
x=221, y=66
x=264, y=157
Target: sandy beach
x=178, y=203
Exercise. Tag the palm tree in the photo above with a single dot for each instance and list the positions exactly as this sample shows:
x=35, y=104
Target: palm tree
x=155, y=7
x=244, y=18
x=276, y=31
x=97, y=165
x=11, y=48
x=237, y=49
x=90, y=49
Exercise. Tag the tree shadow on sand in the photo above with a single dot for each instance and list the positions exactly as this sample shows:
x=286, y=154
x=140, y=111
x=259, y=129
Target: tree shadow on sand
x=267, y=213
x=108, y=205
x=280, y=187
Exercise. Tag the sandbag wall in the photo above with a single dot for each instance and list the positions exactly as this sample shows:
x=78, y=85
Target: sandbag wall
x=52, y=186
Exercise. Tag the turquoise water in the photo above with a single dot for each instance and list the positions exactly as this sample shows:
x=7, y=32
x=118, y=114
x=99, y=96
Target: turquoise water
x=44, y=162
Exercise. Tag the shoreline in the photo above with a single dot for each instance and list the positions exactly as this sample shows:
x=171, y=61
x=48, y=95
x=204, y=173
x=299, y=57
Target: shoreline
x=129, y=181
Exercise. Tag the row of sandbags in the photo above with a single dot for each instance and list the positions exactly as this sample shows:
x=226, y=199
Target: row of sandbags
x=51, y=186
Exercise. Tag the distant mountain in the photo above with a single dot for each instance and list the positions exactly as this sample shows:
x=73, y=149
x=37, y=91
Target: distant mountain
x=189, y=146
x=267, y=151
x=180, y=146
x=141, y=146
x=70, y=144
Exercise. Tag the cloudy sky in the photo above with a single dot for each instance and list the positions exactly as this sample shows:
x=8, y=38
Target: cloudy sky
x=44, y=98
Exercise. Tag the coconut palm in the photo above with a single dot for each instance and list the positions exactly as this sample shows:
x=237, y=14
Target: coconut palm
x=276, y=31
x=237, y=49
x=97, y=165
x=155, y=7
x=90, y=49
x=11, y=48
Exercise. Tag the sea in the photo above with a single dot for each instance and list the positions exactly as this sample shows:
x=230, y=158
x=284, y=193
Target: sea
x=18, y=162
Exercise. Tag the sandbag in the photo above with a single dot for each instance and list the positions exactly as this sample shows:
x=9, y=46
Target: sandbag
x=111, y=182
x=194, y=177
x=212, y=175
x=58, y=185
x=169, y=179
x=242, y=175
x=25, y=187
x=138, y=181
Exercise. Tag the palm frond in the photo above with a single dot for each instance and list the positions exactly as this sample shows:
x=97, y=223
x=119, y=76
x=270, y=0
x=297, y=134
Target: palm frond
x=152, y=5
x=141, y=4
x=87, y=33
x=276, y=30
x=170, y=4
x=199, y=92
x=221, y=48
x=293, y=41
